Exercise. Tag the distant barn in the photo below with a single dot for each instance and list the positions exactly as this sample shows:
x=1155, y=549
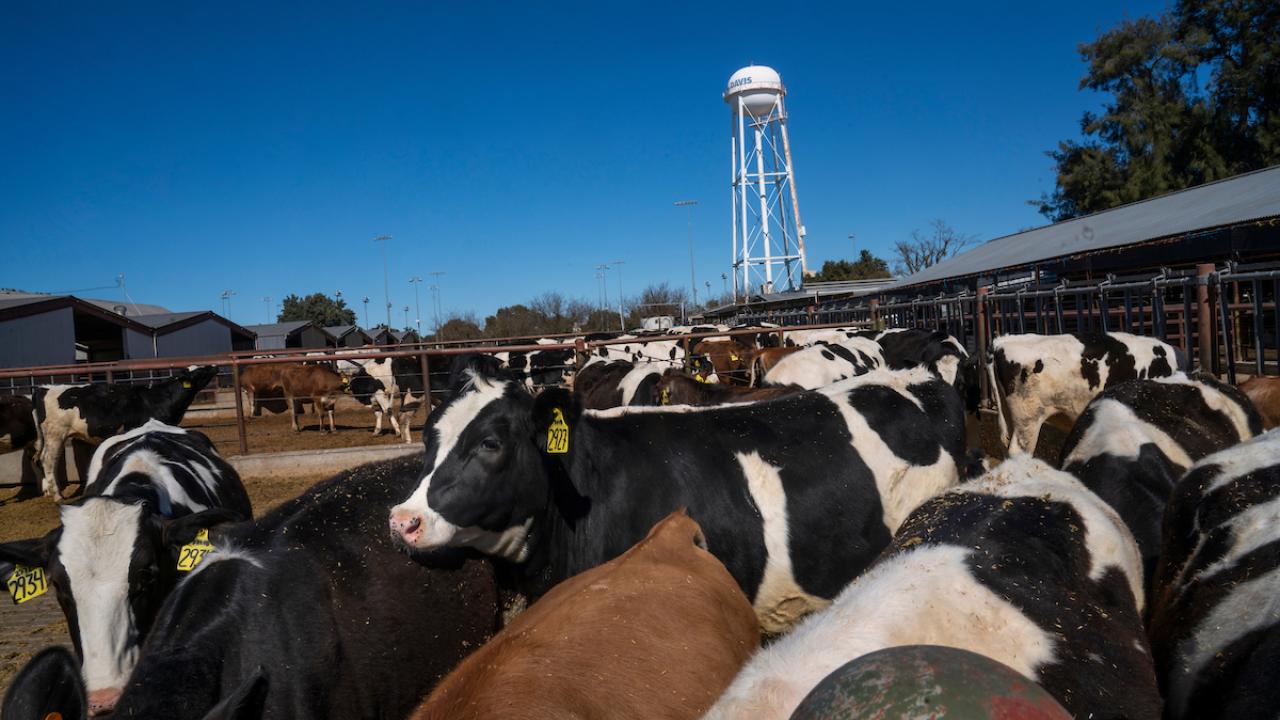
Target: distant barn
x=291, y=334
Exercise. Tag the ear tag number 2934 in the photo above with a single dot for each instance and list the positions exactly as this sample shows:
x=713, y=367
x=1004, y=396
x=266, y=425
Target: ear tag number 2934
x=192, y=554
x=558, y=434
x=27, y=582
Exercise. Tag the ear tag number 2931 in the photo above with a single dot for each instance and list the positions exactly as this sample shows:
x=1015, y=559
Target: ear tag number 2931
x=27, y=582
x=558, y=434
x=192, y=554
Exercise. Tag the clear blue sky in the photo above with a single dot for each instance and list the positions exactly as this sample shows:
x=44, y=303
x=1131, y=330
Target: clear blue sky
x=259, y=147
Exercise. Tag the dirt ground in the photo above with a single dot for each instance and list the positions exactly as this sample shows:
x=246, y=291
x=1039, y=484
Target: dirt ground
x=26, y=629
x=271, y=432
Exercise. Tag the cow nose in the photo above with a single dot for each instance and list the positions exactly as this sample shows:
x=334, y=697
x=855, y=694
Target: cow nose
x=102, y=702
x=408, y=525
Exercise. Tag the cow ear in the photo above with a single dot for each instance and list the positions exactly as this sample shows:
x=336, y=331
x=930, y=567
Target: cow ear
x=179, y=531
x=33, y=552
x=49, y=686
x=246, y=702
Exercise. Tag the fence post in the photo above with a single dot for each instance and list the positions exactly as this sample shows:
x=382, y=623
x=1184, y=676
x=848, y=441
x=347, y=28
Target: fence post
x=426, y=379
x=1204, y=317
x=875, y=313
x=235, y=383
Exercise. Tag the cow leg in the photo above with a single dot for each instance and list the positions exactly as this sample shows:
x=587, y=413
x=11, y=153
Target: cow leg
x=377, y=421
x=30, y=470
x=293, y=410
x=52, y=452
x=329, y=405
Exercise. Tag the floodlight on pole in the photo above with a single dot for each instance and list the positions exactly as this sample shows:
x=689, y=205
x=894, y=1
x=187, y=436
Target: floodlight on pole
x=226, y=298
x=365, y=300
x=386, y=282
x=688, y=206
x=439, y=302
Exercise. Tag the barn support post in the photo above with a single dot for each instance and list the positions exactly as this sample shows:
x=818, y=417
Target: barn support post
x=235, y=383
x=983, y=342
x=426, y=379
x=1259, y=352
x=1204, y=317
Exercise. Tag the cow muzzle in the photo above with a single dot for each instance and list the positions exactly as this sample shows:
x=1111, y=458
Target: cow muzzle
x=102, y=702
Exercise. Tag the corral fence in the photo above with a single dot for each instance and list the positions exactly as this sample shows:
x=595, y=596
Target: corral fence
x=1223, y=318
x=435, y=361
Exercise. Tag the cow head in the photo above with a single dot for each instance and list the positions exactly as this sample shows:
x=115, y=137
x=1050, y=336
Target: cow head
x=485, y=472
x=110, y=564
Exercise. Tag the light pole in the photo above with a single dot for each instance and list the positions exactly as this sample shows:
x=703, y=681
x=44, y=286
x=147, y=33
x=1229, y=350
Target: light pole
x=386, y=283
x=226, y=300
x=622, y=317
x=267, y=301
x=406, y=318
x=603, y=269
x=688, y=205
x=439, y=303
x=365, y=300
x=853, y=245
x=724, y=283
x=415, y=281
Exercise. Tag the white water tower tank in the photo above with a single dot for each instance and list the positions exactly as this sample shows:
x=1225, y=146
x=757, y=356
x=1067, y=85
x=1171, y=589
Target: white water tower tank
x=759, y=87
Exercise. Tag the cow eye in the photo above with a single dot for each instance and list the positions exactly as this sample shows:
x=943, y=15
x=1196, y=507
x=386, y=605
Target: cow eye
x=490, y=444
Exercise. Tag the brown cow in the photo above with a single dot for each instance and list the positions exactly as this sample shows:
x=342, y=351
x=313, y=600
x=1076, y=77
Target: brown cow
x=730, y=358
x=658, y=632
x=1265, y=394
x=259, y=380
x=317, y=383
x=763, y=360
x=677, y=388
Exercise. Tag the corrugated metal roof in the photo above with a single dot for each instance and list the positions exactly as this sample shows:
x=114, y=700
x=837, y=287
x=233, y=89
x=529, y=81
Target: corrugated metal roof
x=280, y=329
x=1250, y=196
x=159, y=320
x=132, y=309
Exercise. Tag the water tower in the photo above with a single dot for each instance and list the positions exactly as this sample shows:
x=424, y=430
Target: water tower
x=768, y=237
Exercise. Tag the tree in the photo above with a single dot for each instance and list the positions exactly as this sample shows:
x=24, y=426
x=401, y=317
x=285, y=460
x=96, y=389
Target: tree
x=1161, y=131
x=923, y=251
x=866, y=267
x=317, y=308
x=460, y=326
x=515, y=321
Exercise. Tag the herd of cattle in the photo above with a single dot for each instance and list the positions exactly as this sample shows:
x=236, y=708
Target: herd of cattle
x=710, y=536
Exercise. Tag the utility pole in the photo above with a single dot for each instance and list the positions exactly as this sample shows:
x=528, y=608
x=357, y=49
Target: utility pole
x=365, y=300
x=386, y=283
x=267, y=301
x=853, y=245
x=603, y=273
x=406, y=318
x=688, y=206
x=415, y=281
x=226, y=299
x=724, y=282
x=622, y=318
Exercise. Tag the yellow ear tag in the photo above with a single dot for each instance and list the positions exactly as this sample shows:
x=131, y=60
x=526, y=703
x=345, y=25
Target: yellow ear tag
x=733, y=358
x=558, y=434
x=701, y=379
x=665, y=397
x=192, y=554
x=27, y=582
x=186, y=384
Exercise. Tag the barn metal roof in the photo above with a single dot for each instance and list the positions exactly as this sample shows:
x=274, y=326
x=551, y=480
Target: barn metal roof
x=164, y=323
x=278, y=329
x=1242, y=198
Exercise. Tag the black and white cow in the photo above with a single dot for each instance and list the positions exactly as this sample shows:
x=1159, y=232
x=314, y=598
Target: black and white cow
x=662, y=354
x=1053, y=377
x=18, y=432
x=312, y=611
x=1135, y=439
x=618, y=383
x=804, y=338
x=1024, y=565
x=114, y=558
x=1215, y=620
x=94, y=413
x=380, y=381
x=796, y=495
x=824, y=363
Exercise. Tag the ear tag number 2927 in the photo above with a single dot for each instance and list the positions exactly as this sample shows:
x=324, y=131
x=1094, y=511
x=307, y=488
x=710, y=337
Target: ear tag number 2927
x=26, y=583
x=558, y=434
x=192, y=554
